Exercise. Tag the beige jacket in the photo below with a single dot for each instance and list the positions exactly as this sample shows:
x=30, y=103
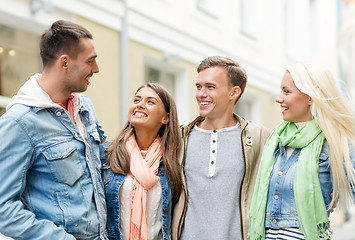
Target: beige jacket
x=253, y=139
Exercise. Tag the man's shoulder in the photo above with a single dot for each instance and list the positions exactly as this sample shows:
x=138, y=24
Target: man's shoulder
x=252, y=126
x=257, y=127
x=17, y=118
x=85, y=98
x=256, y=131
x=186, y=128
x=17, y=111
x=87, y=103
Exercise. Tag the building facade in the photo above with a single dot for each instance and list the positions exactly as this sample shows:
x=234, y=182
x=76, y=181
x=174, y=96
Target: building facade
x=165, y=40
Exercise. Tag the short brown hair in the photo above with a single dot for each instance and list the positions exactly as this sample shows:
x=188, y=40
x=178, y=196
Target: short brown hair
x=235, y=72
x=62, y=37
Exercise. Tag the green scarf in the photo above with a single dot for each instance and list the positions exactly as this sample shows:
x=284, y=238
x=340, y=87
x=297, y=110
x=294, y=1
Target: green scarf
x=312, y=213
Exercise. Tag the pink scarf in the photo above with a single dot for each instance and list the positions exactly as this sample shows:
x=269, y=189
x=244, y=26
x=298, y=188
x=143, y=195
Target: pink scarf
x=144, y=173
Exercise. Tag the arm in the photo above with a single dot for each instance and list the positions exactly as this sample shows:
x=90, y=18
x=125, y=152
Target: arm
x=324, y=176
x=102, y=149
x=16, y=158
x=352, y=158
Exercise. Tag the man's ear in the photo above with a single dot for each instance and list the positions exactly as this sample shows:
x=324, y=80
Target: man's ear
x=165, y=119
x=64, y=61
x=235, y=93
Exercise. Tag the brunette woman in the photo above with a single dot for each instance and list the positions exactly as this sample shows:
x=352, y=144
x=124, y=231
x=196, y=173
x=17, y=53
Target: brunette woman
x=140, y=168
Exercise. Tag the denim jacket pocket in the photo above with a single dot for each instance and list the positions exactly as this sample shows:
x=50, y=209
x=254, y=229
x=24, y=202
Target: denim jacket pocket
x=64, y=162
x=95, y=136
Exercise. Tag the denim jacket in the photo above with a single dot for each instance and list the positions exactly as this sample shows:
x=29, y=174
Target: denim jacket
x=113, y=183
x=51, y=185
x=281, y=206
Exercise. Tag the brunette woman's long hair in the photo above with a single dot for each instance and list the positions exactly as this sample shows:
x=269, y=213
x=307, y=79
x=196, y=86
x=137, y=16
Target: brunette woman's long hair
x=118, y=157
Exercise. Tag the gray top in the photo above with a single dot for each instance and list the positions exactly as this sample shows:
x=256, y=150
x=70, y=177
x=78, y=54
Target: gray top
x=214, y=169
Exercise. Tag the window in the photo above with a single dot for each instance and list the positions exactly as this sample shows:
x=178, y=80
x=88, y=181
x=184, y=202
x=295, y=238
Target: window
x=209, y=7
x=166, y=79
x=314, y=34
x=293, y=30
x=174, y=79
x=248, y=107
x=249, y=18
x=19, y=60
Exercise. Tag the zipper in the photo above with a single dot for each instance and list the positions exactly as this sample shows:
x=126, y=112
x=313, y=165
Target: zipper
x=241, y=184
x=95, y=181
x=184, y=133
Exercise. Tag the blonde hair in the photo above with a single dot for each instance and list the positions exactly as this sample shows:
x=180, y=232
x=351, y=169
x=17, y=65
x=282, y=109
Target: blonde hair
x=335, y=118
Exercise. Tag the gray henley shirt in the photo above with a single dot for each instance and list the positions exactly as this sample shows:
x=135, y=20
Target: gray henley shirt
x=214, y=169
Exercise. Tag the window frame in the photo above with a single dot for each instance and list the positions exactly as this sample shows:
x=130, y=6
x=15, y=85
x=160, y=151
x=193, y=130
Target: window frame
x=181, y=84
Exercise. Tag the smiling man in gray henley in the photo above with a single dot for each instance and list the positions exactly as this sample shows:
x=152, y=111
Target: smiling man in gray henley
x=222, y=153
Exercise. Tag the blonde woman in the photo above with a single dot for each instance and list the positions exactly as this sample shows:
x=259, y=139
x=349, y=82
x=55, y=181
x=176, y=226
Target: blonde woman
x=140, y=168
x=307, y=158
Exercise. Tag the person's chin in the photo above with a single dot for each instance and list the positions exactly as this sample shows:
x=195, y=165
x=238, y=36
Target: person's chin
x=287, y=119
x=204, y=113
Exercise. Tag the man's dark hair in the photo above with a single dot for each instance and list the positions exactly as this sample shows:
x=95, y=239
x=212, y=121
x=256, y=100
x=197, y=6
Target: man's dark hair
x=63, y=37
x=235, y=72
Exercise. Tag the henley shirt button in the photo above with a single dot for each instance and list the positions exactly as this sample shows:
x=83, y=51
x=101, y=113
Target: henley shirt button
x=280, y=173
x=248, y=137
x=214, y=131
x=214, y=141
x=274, y=220
x=212, y=162
x=76, y=224
x=249, y=142
x=276, y=197
x=58, y=114
x=213, y=151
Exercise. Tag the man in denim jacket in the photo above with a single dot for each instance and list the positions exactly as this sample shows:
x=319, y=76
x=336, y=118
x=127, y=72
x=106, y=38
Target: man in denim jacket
x=50, y=185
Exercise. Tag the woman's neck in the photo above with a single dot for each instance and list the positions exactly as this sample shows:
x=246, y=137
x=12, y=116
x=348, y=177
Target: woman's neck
x=300, y=124
x=145, y=139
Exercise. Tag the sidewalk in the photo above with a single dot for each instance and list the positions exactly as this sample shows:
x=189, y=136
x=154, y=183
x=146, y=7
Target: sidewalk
x=346, y=230
x=342, y=232
x=2, y=237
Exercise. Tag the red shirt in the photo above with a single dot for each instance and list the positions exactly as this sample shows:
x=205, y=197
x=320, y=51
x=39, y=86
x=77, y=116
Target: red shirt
x=70, y=105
